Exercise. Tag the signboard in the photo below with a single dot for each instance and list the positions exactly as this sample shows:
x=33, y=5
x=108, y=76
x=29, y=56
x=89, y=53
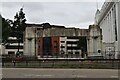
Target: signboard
x=110, y=52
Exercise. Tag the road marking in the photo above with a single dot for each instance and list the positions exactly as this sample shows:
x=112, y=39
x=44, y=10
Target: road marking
x=114, y=76
x=80, y=76
x=31, y=75
x=28, y=75
x=44, y=75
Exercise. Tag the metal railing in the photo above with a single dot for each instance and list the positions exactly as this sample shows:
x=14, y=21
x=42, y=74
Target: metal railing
x=60, y=62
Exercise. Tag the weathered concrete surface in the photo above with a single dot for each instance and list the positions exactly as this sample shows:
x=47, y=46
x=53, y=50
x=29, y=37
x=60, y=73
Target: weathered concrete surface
x=93, y=35
x=58, y=73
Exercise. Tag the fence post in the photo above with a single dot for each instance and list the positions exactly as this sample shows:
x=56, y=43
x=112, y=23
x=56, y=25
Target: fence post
x=14, y=63
x=112, y=63
x=53, y=64
x=2, y=63
x=26, y=63
x=39, y=63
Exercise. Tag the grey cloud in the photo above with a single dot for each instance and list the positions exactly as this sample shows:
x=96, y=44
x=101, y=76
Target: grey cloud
x=77, y=14
x=33, y=6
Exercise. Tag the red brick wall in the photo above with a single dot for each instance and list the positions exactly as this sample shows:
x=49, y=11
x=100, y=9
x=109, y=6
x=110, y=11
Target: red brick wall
x=39, y=32
x=40, y=47
x=55, y=45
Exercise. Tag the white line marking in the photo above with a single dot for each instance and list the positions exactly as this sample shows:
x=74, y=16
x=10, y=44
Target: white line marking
x=28, y=75
x=80, y=76
x=31, y=75
x=114, y=76
x=45, y=75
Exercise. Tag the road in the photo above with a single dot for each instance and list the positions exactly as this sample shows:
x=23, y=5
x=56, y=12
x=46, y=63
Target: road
x=58, y=73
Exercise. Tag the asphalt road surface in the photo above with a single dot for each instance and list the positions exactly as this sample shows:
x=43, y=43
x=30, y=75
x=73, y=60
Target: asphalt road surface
x=58, y=73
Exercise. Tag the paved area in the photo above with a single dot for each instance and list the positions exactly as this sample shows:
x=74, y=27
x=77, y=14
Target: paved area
x=58, y=73
x=60, y=79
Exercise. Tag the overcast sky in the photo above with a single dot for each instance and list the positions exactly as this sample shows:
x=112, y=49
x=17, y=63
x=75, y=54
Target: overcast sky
x=70, y=14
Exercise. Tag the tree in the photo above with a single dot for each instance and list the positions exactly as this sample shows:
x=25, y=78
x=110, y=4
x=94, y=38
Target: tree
x=19, y=23
x=0, y=28
x=19, y=26
x=6, y=27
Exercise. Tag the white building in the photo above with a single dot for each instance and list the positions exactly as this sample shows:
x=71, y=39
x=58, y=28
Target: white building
x=11, y=47
x=108, y=18
x=69, y=45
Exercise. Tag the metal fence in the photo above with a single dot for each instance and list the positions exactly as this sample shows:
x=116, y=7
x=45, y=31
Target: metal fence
x=33, y=62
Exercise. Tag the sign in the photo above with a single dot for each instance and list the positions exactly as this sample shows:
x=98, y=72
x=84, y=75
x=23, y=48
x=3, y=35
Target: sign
x=110, y=52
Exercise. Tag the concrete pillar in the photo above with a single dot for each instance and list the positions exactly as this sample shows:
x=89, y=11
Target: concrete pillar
x=118, y=25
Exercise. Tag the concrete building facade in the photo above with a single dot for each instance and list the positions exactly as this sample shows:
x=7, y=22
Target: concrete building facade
x=108, y=18
x=95, y=41
x=2, y=50
x=41, y=40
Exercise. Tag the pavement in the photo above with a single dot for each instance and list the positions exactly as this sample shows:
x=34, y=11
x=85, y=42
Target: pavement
x=58, y=73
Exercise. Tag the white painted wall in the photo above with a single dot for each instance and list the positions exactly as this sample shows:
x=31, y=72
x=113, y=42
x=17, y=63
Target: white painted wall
x=2, y=49
x=29, y=45
x=118, y=23
x=63, y=44
x=108, y=25
x=13, y=50
x=94, y=44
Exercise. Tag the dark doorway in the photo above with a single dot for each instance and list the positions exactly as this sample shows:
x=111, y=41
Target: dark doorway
x=82, y=44
x=47, y=46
